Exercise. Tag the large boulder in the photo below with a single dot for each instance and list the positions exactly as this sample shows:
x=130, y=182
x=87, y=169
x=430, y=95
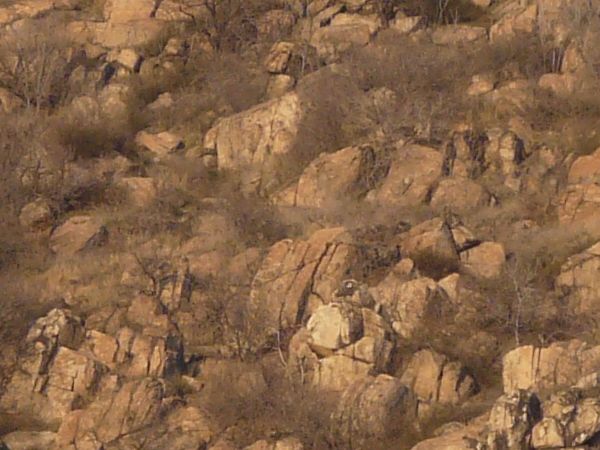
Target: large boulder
x=414, y=170
x=117, y=412
x=432, y=241
x=343, y=32
x=560, y=364
x=407, y=304
x=122, y=11
x=251, y=141
x=28, y=440
x=373, y=408
x=76, y=234
x=436, y=380
x=343, y=175
x=336, y=373
x=460, y=195
x=298, y=276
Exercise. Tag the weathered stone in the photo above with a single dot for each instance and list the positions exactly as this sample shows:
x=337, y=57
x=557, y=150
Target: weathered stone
x=578, y=281
x=28, y=440
x=76, y=234
x=413, y=171
x=373, y=408
x=298, y=276
x=407, y=303
x=251, y=141
x=344, y=32
x=458, y=34
x=336, y=373
x=36, y=215
x=334, y=326
x=459, y=195
x=161, y=144
x=343, y=175
x=485, y=261
x=278, y=58
x=511, y=420
x=560, y=364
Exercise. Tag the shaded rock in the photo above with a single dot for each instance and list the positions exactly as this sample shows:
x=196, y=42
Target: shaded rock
x=373, y=408
x=76, y=234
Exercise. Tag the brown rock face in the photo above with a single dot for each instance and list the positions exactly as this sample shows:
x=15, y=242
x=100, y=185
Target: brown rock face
x=77, y=234
x=560, y=364
x=578, y=281
x=375, y=407
x=413, y=171
x=297, y=276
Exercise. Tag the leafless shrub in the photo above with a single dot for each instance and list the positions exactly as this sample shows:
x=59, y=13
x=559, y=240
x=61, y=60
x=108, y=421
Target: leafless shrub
x=34, y=63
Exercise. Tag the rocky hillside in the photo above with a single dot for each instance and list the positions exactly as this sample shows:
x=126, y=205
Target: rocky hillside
x=299, y=224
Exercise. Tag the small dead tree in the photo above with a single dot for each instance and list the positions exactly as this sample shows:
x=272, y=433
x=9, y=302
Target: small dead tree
x=34, y=64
